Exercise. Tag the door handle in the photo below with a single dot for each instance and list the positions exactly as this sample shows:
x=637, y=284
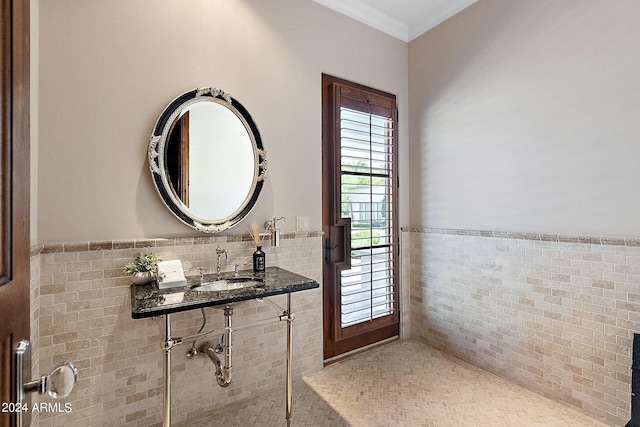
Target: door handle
x=327, y=250
x=343, y=235
x=59, y=383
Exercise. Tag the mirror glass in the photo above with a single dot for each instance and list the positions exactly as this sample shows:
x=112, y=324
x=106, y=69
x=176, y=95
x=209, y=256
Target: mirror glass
x=218, y=169
x=207, y=159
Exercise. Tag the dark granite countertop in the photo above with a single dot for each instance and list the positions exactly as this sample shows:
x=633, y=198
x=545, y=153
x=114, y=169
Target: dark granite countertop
x=149, y=300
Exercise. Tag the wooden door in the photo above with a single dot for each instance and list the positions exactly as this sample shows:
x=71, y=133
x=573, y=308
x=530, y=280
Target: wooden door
x=14, y=193
x=360, y=275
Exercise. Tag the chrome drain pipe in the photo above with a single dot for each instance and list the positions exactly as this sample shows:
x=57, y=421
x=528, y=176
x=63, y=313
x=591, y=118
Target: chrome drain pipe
x=223, y=370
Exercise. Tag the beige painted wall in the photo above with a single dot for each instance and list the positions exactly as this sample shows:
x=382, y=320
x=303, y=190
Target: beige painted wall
x=525, y=116
x=107, y=69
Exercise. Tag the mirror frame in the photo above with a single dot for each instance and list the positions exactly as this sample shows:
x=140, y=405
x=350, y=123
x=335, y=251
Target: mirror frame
x=158, y=162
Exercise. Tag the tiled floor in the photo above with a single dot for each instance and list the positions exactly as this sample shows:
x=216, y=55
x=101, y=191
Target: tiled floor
x=404, y=383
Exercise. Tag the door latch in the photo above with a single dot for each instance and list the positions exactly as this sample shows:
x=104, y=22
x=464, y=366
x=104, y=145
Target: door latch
x=327, y=250
x=340, y=232
x=58, y=384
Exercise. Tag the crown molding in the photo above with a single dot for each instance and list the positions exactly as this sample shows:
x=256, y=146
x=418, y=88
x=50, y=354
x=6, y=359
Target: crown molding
x=438, y=16
x=366, y=14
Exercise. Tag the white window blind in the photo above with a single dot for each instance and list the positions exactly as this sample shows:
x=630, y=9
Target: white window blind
x=367, y=176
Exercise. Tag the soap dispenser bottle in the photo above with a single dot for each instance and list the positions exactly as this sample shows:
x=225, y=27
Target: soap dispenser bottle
x=259, y=260
x=272, y=226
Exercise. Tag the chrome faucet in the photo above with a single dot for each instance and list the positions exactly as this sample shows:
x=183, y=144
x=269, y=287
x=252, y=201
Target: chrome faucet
x=200, y=269
x=219, y=252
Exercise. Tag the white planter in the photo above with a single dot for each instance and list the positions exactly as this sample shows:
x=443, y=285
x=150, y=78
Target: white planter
x=142, y=277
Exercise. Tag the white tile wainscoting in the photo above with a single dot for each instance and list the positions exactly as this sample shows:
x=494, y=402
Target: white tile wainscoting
x=553, y=313
x=81, y=311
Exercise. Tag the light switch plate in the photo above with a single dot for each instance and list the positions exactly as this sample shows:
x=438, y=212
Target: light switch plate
x=302, y=223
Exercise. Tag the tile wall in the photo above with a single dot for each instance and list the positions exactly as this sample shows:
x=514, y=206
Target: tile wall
x=35, y=323
x=405, y=284
x=553, y=313
x=81, y=311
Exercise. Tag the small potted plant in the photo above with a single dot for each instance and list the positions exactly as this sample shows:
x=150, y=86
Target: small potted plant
x=143, y=268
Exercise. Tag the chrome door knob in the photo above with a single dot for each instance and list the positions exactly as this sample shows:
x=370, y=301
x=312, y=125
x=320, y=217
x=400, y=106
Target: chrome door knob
x=59, y=383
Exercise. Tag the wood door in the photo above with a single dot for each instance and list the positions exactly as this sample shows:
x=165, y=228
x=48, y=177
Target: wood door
x=360, y=274
x=14, y=192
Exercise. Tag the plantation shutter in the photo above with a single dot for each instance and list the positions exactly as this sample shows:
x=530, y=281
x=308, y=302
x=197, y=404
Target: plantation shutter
x=368, y=197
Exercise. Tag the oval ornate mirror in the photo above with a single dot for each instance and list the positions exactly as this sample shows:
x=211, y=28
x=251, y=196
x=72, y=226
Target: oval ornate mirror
x=207, y=160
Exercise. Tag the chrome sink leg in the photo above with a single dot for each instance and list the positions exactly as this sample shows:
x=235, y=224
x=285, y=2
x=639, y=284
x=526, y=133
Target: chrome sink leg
x=290, y=318
x=167, y=373
x=168, y=345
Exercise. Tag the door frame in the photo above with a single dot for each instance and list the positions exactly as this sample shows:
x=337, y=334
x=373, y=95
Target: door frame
x=15, y=219
x=337, y=229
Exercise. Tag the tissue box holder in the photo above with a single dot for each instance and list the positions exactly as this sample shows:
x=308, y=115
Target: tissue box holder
x=170, y=274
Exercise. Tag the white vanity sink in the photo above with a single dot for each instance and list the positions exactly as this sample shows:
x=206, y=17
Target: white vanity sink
x=229, y=284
